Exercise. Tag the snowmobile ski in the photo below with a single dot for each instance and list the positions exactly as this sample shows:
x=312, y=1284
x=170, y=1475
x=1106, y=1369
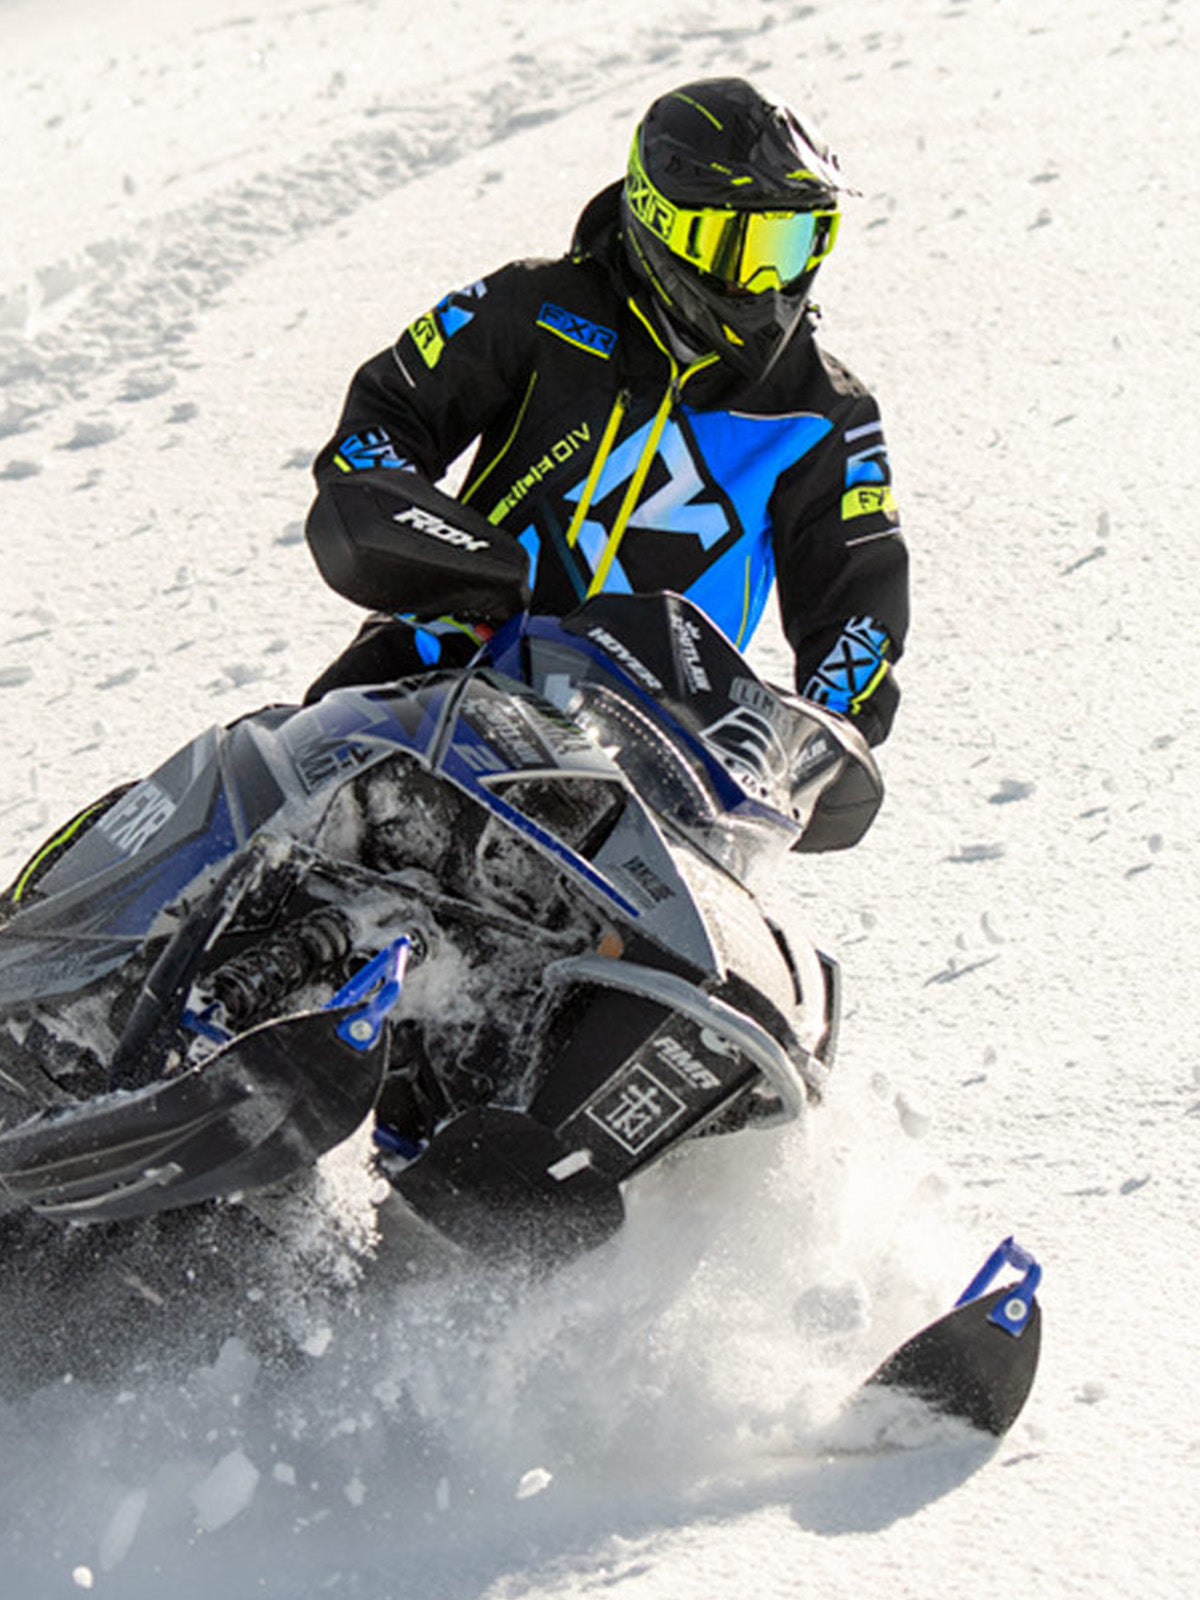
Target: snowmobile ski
x=498, y=1182
x=978, y=1362
x=268, y=1103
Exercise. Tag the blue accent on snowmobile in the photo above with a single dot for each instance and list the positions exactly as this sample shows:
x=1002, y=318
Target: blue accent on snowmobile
x=242, y=846
x=202, y=1024
x=505, y=651
x=395, y=1143
x=379, y=984
x=1013, y=1312
x=456, y=768
x=379, y=981
x=169, y=875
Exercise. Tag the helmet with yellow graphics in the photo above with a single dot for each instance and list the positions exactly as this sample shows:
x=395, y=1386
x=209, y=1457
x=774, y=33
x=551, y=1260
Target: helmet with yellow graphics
x=728, y=209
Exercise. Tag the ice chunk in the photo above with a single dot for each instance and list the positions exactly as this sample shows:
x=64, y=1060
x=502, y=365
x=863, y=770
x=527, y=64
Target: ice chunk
x=233, y=1373
x=122, y=1529
x=317, y=1341
x=226, y=1492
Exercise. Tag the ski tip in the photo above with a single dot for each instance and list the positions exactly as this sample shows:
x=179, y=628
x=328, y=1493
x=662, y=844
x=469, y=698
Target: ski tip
x=968, y=1365
x=979, y=1361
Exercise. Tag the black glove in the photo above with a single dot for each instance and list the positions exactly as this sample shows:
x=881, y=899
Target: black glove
x=387, y=648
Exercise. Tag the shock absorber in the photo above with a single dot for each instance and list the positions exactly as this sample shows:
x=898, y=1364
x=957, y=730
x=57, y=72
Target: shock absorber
x=254, y=983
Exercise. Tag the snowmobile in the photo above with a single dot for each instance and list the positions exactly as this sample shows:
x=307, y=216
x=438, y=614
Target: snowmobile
x=507, y=911
x=505, y=908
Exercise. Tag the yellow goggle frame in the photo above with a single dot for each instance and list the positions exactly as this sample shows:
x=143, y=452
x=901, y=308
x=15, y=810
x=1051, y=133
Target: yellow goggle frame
x=754, y=251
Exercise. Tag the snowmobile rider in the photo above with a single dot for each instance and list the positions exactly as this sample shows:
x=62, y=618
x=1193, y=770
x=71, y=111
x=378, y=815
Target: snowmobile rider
x=652, y=412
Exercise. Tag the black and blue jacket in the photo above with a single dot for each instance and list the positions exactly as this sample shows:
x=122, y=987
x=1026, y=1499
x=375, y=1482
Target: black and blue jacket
x=620, y=467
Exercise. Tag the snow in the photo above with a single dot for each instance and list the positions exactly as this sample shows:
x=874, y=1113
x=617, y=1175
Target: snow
x=211, y=215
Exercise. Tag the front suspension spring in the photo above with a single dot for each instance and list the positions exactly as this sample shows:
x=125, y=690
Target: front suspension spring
x=252, y=984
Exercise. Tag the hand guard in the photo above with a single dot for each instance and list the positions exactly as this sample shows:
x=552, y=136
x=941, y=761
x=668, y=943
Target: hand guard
x=388, y=540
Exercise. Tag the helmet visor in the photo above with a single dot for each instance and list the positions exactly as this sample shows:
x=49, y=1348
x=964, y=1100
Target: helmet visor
x=753, y=251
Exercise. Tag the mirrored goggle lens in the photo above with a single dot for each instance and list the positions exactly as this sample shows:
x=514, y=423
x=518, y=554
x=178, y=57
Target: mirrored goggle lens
x=754, y=250
x=779, y=246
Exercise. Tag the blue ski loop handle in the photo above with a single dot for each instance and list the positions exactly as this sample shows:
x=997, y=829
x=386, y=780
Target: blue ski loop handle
x=361, y=1028
x=1013, y=1310
x=378, y=985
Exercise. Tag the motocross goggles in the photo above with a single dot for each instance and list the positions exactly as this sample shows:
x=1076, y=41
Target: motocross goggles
x=750, y=251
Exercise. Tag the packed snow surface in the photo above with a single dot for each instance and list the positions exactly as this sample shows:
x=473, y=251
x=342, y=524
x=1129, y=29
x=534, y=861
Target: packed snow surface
x=212, y=213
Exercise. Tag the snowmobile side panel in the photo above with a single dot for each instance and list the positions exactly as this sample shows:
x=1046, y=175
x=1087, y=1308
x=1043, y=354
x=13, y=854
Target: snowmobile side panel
x=739, y=1032
x=514, y=823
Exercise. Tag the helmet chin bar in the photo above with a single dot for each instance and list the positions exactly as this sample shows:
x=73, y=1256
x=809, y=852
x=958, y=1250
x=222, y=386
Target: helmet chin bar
x=691, y=337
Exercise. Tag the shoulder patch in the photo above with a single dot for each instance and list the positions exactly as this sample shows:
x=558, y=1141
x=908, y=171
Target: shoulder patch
x=577, y=330
x=430, y=332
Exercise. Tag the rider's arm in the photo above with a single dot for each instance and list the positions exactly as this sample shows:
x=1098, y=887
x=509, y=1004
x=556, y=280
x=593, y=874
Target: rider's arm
x=453, y=371
x=381, y=532
x=842, y=570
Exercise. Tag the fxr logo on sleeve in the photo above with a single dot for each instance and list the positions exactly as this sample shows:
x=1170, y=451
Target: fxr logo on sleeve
x=370, y=448
x=427, y=337
x=853, y=669
x=868, y=474
x=866, y=500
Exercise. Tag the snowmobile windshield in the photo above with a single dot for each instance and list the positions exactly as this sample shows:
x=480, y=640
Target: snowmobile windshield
x=674, y=784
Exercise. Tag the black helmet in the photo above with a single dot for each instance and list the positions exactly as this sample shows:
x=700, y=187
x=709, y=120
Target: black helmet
x=728, y=209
